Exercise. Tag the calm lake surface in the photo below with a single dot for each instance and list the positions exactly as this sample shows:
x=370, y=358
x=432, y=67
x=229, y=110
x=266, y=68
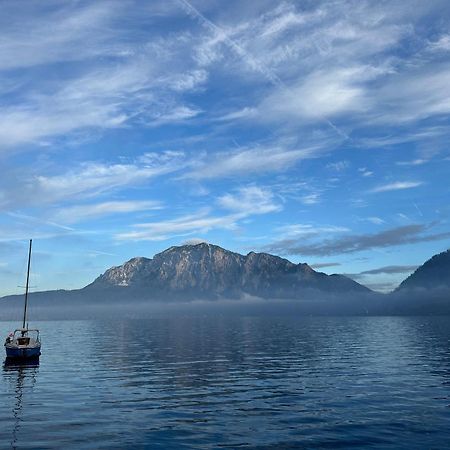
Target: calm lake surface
x=213, y=382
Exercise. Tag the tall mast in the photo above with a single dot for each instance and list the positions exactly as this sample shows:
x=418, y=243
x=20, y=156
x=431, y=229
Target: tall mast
x=26, y=287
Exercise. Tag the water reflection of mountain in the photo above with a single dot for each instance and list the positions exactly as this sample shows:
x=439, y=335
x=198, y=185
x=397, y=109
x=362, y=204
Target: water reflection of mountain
x=22, y=378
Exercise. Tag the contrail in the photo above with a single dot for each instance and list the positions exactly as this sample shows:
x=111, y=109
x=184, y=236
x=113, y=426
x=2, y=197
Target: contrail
x=238, y=49
x=418, y=209
x=243, y=54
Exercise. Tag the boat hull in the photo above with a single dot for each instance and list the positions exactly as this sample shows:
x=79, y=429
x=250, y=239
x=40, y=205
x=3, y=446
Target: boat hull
x=22, y=352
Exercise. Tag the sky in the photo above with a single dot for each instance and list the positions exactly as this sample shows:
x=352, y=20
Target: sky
x=314, y=130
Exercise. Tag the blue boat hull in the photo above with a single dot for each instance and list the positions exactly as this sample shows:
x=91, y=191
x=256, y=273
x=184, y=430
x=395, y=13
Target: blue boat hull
x=22, y=353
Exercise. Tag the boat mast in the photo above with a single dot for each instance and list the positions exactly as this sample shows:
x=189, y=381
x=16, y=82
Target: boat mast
x=26, y=287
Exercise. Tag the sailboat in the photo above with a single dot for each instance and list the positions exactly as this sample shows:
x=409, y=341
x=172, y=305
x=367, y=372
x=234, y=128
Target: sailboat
x=24, y=343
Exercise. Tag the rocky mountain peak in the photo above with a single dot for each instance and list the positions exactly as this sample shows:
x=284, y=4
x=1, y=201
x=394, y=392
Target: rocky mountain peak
x=207, y=270
x=126, y=274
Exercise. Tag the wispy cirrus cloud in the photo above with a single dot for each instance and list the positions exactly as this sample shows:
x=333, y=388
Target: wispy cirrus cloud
x=357, y=44
x=375, y=220
x=201, y=222
x=414, y=162
x=441, y=44
x=396, y=186
x=242, y=204
x=248, y=161
x=250, y=200
x=104, y=98
x=408, y=234
x=323, y=94
x=88, y=180
x=93, y=179
x=81, y=213
x=72, y=26
x=114, y=80
x=299, y=230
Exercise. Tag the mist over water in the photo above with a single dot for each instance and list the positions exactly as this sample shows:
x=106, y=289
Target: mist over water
x=69, y=305
x=251, y=382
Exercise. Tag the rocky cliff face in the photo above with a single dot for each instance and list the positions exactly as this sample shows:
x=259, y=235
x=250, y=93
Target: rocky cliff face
x=209, y=271
x=433, y=274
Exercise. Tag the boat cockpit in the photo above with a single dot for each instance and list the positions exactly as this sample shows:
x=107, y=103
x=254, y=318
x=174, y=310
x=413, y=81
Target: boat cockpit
x=23, y=337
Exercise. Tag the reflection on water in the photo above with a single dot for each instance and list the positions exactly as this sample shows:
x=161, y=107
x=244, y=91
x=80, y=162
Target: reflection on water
x=253, y=382
x=22, y=376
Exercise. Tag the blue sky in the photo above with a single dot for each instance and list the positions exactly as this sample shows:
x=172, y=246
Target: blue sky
x=317, y=131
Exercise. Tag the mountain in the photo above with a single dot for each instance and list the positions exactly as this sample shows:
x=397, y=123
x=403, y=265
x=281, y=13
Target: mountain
x=433, y=274
x=209, y=271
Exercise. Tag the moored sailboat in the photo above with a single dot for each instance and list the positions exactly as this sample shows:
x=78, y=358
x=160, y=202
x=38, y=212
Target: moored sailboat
x=24, y=343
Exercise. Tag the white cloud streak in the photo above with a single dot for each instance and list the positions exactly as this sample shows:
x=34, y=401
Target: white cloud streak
x=182, y=226
x=244, y=203
x=250, y=200
x=396, y=186
x=81, y=213
x=88, y=180
x=251, y=161
x=92, y=179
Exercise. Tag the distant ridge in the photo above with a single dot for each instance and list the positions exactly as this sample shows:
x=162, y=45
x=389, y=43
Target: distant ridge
x=209, y=271
x=433, y=274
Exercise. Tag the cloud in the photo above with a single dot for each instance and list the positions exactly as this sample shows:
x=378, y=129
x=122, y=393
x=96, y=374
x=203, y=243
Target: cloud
x=131, y=76
x=250, y=200
x=415, y=94
x=375, y=220
x=383, y=286
x=244, y=113
x=87, y=180
x=72, y=27
x=442, y=44
x=338, y=166
x=324, y=265
x=184, y=82
x=177, y=114
x=93, y=179
x=117, y=76
x=195, y=241
x=414, y=162
x=244, y=203
x=100, y=99
x=364, y=172
x=222, y=36
x=202, y=222
x=398, y=185
x=248, y=161
x=19, y=227
x=409, y=234
x=310, y=199
x=107, y=97
x=359, y=46
x=322, y=94
x=80, y=213
x=37, y=221
x=305, y=230
x=424, y=134
x=389, y=270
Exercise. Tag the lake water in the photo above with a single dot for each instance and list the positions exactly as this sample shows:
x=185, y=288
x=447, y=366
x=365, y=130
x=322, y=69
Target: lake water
x=232, y=382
